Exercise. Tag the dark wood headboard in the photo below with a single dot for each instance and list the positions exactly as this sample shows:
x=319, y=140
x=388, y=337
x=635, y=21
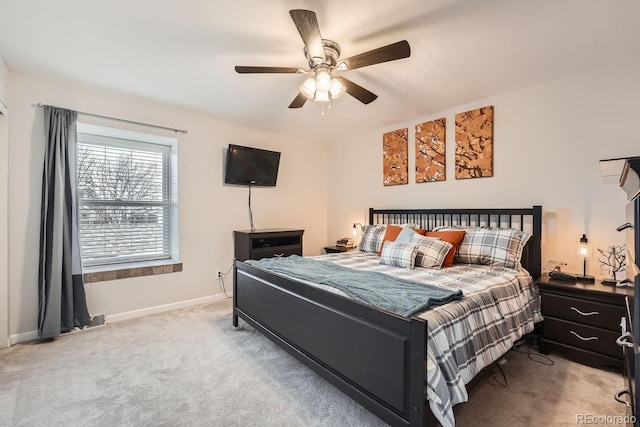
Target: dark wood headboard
x=527, y=219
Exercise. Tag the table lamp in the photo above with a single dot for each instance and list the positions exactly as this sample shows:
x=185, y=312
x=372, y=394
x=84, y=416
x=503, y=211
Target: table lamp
x=583, y=250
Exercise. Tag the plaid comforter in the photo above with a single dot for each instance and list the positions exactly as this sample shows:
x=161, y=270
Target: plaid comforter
x=500, y=305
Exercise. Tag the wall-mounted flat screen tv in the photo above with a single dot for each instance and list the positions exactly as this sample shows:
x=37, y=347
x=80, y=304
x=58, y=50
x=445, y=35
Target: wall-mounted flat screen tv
x=251, y=166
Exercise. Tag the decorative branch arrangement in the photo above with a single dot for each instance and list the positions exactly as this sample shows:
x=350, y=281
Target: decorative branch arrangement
x=613, y=259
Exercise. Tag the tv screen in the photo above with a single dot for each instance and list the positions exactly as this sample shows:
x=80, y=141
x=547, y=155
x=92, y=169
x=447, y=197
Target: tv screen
x=251, y=166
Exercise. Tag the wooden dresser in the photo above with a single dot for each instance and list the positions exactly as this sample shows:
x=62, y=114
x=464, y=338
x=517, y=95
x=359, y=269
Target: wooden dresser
x=582, y=320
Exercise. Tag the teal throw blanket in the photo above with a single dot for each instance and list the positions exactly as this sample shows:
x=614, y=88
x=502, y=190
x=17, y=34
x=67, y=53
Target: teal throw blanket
x=399, y=296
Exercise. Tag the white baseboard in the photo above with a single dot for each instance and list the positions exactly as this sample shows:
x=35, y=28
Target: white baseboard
x=25, y=336
x=118, y=317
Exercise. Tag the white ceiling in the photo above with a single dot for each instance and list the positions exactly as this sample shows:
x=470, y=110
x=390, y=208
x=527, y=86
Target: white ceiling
x=183, y=52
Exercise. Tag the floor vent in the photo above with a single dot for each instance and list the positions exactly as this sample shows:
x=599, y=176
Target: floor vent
x=97, y=320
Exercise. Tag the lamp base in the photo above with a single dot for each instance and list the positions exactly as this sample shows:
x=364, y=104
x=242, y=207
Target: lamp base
x=585, y=278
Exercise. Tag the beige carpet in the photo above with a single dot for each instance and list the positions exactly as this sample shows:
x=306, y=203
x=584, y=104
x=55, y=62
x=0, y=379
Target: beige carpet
x=540, y=395
x=190, y=368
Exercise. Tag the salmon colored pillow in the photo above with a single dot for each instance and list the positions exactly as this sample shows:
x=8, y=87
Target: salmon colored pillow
x=391, y=235
x=454, y=237
x=420, y=231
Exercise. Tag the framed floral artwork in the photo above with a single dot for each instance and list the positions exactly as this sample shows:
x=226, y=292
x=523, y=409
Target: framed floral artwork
x=395, y=157
x=430, y=151
x=474, y=143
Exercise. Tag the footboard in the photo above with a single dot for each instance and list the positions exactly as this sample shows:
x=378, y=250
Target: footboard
x=375, y=357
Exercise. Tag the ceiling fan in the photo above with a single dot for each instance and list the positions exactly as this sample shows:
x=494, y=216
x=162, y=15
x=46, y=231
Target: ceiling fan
x=324, y=60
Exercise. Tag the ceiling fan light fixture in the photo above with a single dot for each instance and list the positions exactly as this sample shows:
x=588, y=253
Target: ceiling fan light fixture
x=308, y=88
x=323, y=81
x=322, y=96
x=337, y=89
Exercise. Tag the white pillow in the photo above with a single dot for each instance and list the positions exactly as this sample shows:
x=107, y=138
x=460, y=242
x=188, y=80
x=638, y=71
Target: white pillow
x=406, y=235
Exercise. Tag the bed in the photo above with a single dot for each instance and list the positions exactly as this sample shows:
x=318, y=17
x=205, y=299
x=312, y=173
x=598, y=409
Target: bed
x=376, y=357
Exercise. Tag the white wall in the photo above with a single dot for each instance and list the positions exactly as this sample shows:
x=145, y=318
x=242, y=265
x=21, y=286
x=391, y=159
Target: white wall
x=209, y=211
x=4, y=200
x=547, y=140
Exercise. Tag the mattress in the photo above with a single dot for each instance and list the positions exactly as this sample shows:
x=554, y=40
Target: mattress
x=499, y=306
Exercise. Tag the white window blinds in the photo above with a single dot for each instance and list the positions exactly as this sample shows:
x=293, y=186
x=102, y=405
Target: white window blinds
x=124, y=200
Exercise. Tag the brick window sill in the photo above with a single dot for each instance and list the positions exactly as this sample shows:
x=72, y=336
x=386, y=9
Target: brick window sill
x=125, y=271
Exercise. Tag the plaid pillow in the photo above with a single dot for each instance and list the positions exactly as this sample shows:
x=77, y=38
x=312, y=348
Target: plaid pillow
x=401, y=255
x=431, y=251
x=499, y=247
x=372, y=237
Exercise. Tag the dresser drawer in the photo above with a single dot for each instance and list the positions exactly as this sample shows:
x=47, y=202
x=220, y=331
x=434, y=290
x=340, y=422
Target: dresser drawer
x=578, y=310
x=582, y=336
x=277, y=251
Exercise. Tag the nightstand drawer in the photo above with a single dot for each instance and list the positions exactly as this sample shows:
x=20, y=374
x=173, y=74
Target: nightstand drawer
x=587, y=312
x=581, y=336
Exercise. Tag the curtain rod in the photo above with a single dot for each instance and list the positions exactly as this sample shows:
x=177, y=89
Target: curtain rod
x=39, y=104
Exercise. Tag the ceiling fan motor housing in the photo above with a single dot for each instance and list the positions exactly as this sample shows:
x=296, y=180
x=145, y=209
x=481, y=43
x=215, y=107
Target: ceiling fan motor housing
x=331, y=53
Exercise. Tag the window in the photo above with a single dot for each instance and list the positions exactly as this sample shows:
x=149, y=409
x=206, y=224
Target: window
x=126, y=184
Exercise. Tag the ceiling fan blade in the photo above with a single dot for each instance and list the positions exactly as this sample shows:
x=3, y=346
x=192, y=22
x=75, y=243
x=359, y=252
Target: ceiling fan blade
x=387, y=53
x=357, y=91
x=307, y=25
x=299, y=101
x=244, y=69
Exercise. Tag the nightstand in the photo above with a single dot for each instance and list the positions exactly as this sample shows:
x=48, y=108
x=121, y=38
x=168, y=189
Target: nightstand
x=336, y=249
x=582, y=320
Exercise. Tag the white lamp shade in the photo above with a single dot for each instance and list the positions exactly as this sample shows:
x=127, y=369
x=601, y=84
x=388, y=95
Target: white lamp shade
x=323, y=81
x=322, y=96
x=337, y=88
x=308, y=88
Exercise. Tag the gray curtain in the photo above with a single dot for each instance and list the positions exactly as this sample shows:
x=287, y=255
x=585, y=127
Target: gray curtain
x=62, y=303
